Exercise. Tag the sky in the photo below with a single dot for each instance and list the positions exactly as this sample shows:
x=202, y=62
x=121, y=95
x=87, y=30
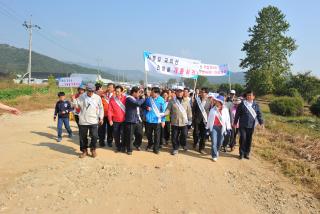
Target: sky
x=114, y=33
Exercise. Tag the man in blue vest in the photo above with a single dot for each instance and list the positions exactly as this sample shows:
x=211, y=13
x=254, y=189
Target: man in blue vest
x=248, y=114
x=155, y=107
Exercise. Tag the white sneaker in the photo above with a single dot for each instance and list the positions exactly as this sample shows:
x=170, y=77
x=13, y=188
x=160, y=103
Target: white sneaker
x=215, y=159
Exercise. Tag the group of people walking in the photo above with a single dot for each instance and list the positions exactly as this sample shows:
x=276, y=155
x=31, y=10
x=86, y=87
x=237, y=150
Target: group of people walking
x=118, y=119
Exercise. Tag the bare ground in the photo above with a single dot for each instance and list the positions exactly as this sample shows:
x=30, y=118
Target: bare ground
x=39, y=175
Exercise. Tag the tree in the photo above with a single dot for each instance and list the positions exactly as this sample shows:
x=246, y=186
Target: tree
x=201, y=82
x=224, y=87
x=171, y=81
x=267, y=51
x=238, y=88
x=52, y=83
x=306, y=84
x=141, y=82
x=213, y=87
x=315, y=107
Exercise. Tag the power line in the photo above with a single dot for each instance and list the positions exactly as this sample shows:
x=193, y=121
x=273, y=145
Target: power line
x=16, y=17
x=9, y=15
x=11, y=11
x=54, y=42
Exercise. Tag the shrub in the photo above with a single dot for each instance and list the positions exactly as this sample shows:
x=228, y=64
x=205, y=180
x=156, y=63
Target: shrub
x=287, y=106
x=315, y=107
x=293, y=92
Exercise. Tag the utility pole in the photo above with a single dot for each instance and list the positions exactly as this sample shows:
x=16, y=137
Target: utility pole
x=99, y=65
x=29, y=26
x=99, y=74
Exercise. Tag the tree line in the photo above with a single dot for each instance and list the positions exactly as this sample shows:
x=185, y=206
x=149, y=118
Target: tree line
x=267, y=65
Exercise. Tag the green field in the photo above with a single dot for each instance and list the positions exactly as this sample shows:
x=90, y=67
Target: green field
x=12, y=93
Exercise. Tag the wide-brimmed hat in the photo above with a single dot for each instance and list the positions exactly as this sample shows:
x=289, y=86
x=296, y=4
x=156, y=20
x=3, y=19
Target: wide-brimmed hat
x=212, y=95
x=219, y=98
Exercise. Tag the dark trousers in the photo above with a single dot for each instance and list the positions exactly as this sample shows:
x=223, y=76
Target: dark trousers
x=199, y=134
x=109, y=133
x=83, y=132
x=138, y=133
x=245, y=140
x=145, y=127
x=227, y=139
x=118, y=135
x=234, y=137
x=179, y=136
x=102, y=131
x=153, y=135
x=132, y=135
x=165, y=133
x=76, y=118
x=63, y=121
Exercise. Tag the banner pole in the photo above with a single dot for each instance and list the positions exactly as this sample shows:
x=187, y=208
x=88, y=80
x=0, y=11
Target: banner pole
x=145, y=55
x=194, y=87
x=146, y=80
x=229, y=80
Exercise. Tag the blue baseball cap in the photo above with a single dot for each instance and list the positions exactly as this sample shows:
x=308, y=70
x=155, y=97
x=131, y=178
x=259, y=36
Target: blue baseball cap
x=91, y=87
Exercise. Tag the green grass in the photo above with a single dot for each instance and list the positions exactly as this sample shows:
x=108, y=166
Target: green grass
x=30, y=98
x=12, y=93
x=306, y=125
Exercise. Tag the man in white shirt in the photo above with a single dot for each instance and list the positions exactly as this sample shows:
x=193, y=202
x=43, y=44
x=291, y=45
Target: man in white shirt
x=91, y=115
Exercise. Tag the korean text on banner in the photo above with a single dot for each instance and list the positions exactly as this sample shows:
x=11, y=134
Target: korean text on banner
x=69, y=82
x=171, y=65
x=213, y=70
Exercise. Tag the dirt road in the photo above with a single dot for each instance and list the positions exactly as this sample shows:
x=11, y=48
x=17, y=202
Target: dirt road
x=39, y=175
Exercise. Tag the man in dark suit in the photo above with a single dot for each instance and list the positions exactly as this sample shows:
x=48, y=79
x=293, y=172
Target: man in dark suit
x=248, y=114
x=200, y=111
x=133, y=121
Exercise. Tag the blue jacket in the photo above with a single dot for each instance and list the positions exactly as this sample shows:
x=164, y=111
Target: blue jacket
x=245, y=118
x=131, y=110
x=151, y=116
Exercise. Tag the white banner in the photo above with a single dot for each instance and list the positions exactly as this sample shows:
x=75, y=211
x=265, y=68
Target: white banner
x=171, y=65
x=213, y=70
x=69, y=82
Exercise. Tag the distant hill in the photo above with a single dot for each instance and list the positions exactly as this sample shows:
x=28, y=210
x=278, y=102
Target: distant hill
x=15, y=60
x=136, y=75
x=130, y=75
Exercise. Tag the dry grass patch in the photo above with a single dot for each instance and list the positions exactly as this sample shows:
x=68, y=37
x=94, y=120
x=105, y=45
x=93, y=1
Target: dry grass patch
x=293, y=147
